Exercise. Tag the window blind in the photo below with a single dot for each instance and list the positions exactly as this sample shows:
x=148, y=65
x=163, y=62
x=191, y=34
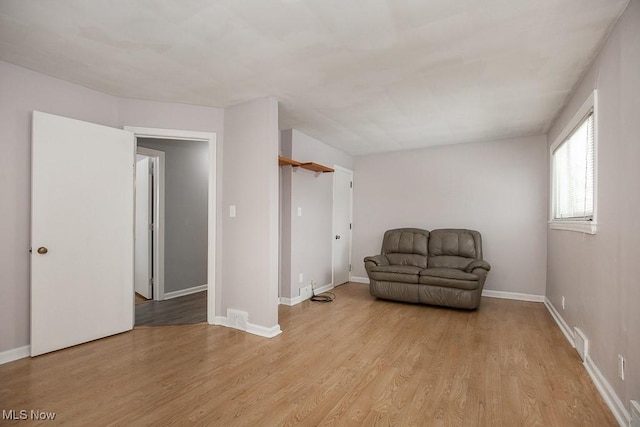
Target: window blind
x=573, y=174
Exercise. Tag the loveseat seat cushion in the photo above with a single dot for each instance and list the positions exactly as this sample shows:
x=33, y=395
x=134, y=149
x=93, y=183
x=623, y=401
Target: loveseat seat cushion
x=395, y=273
x=449, y=273
x=450, y=278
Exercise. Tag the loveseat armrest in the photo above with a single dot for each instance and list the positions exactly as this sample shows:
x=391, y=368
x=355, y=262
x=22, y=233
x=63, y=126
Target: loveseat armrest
x=377, y=260
x=477, y=264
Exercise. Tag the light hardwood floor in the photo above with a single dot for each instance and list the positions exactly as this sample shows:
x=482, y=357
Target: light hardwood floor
x=355, y=361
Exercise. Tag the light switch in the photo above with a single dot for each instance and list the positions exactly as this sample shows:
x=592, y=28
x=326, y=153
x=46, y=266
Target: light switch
x=232, y=211
x=299, y=211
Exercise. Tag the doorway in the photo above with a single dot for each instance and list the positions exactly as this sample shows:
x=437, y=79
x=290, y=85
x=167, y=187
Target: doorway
x=175, y=271
x=167, y=295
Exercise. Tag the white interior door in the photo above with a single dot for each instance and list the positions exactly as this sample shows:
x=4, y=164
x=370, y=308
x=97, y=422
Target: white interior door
x=81, y=232
x=143, y=272
x=342, y=202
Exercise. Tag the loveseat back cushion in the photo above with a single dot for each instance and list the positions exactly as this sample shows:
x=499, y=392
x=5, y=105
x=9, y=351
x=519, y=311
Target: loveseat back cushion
x=406, y=246
x=454, y=248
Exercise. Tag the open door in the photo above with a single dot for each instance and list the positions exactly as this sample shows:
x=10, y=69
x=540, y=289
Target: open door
x=144, y=223
x=82, y=228
x=342, y=203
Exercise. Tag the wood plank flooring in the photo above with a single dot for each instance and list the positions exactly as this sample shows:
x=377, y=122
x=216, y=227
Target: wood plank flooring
x=185, y=310
x=355, y=361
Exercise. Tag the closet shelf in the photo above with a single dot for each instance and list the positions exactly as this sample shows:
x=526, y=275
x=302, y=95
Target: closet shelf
x=315, y=167
x=283, y=161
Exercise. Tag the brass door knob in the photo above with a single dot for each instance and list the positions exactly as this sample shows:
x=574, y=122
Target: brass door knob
x=42, y=250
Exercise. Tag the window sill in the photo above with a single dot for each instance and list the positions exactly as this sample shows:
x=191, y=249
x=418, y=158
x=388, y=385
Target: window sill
x=588, y=227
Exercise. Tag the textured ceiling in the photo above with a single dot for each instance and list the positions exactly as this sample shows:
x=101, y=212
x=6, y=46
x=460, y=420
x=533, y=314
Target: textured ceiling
x=362, y=75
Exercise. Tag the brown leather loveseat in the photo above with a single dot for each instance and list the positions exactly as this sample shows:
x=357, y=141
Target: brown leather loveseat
x=442, y=267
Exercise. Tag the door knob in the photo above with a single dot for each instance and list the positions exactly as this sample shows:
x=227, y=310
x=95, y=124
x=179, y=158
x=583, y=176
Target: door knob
x=42, y=250
x=337, y=236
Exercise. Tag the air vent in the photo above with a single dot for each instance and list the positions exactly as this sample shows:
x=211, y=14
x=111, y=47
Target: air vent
x=237, y=319
x=582, y=343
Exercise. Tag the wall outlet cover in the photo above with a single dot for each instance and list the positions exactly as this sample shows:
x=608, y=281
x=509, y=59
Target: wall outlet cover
x=621, y=367
x=581, y=342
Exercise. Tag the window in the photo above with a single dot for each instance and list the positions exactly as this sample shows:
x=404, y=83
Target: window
x=573, y=173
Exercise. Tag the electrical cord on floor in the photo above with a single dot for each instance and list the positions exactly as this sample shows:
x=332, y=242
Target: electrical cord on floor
x=323, y=297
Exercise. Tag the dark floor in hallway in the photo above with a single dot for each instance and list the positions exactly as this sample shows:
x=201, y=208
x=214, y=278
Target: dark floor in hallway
x=185, y=310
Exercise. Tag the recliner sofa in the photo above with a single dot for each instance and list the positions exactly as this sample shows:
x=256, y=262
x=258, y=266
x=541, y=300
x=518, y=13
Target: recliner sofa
x=442, y=267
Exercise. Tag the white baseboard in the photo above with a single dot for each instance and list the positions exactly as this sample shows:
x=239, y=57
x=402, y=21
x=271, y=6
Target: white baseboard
x=512, y=295
x=251, y=328
x=219, y=321
x=566, y=330
x=291, y=301
x=15, y=354
x=324, y=288
x=183, y=292
x=485, y=293
x=297, y=300
x=263, y=331
x=608, y=394
x=606, y=391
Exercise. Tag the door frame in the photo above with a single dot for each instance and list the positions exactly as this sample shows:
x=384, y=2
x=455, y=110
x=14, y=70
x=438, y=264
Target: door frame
x=333, y=222
x=157, y=157
x=211, y=139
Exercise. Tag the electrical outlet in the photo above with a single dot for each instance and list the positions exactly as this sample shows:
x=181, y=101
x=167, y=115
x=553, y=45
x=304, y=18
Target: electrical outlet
x=300, y=278
x=621, y=367
x=563, y=302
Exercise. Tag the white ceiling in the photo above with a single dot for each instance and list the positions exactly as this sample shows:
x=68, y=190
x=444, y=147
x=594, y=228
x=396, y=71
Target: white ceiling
x=362, y=75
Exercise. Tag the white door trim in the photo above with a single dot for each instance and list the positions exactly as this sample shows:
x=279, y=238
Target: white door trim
x=350, y=172
x=211, y=138
x=158, y=219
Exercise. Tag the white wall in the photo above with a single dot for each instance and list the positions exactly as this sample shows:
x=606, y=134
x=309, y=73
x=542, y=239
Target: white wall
x=22, y=92
x=250, y=240
x=599, y=274
x=307, y=240
x=498, y=188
